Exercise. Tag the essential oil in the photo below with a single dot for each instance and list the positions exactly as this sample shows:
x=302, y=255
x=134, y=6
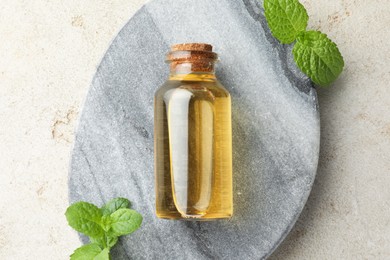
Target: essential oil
x=193, y=138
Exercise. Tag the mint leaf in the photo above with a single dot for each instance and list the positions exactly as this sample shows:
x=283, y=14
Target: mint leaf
x=315, y=54
x=111, y=241
x=85, y=218
x=105, y=242
x=124, y=221
x=100, y=241
x=103, y=226
x=104, y=255
x=115, y=204
x=86, y=252
x=318, y=57
x=286, y=19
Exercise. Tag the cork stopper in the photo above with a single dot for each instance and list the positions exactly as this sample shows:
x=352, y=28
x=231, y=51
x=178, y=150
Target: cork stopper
x=196, y=57
x=192, y=47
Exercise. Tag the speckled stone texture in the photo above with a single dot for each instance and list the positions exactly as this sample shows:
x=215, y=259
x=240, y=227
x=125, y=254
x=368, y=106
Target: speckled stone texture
x=275, y=130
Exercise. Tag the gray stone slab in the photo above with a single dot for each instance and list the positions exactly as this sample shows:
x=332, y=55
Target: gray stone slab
x=275, y=130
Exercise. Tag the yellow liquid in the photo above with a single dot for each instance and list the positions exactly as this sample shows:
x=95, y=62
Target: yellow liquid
x=193, y=149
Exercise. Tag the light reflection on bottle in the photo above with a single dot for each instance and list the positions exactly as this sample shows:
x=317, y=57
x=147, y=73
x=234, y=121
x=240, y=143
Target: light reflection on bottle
x=190, y=127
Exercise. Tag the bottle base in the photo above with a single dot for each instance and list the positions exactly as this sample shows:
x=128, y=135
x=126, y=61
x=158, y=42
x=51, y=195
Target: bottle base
x=206, y=217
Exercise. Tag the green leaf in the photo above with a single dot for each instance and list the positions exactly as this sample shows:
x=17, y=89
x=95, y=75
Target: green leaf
x=86, y=252
x=106, y=241
x=115, y=204
x=124, y=221
x=318, y=57
x=105, y=223
x=100, y=241
x=104, y=255
x=103, y=226
x=286, y=19
x=85, y=218
x=111, y=241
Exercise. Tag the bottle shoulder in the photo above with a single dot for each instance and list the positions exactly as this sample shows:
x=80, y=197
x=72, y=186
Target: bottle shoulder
x=196, y=88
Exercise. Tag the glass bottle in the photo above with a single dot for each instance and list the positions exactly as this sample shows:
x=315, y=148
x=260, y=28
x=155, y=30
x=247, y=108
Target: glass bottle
x=193, y=139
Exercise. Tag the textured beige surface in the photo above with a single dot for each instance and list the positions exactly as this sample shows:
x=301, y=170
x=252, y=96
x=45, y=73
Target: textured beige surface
x=49, y=51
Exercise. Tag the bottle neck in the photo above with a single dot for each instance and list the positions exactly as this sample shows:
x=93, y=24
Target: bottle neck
x=192, y=70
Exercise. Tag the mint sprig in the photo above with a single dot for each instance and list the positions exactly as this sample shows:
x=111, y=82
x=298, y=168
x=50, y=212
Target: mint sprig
x=314, y=53
x=103, y=226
